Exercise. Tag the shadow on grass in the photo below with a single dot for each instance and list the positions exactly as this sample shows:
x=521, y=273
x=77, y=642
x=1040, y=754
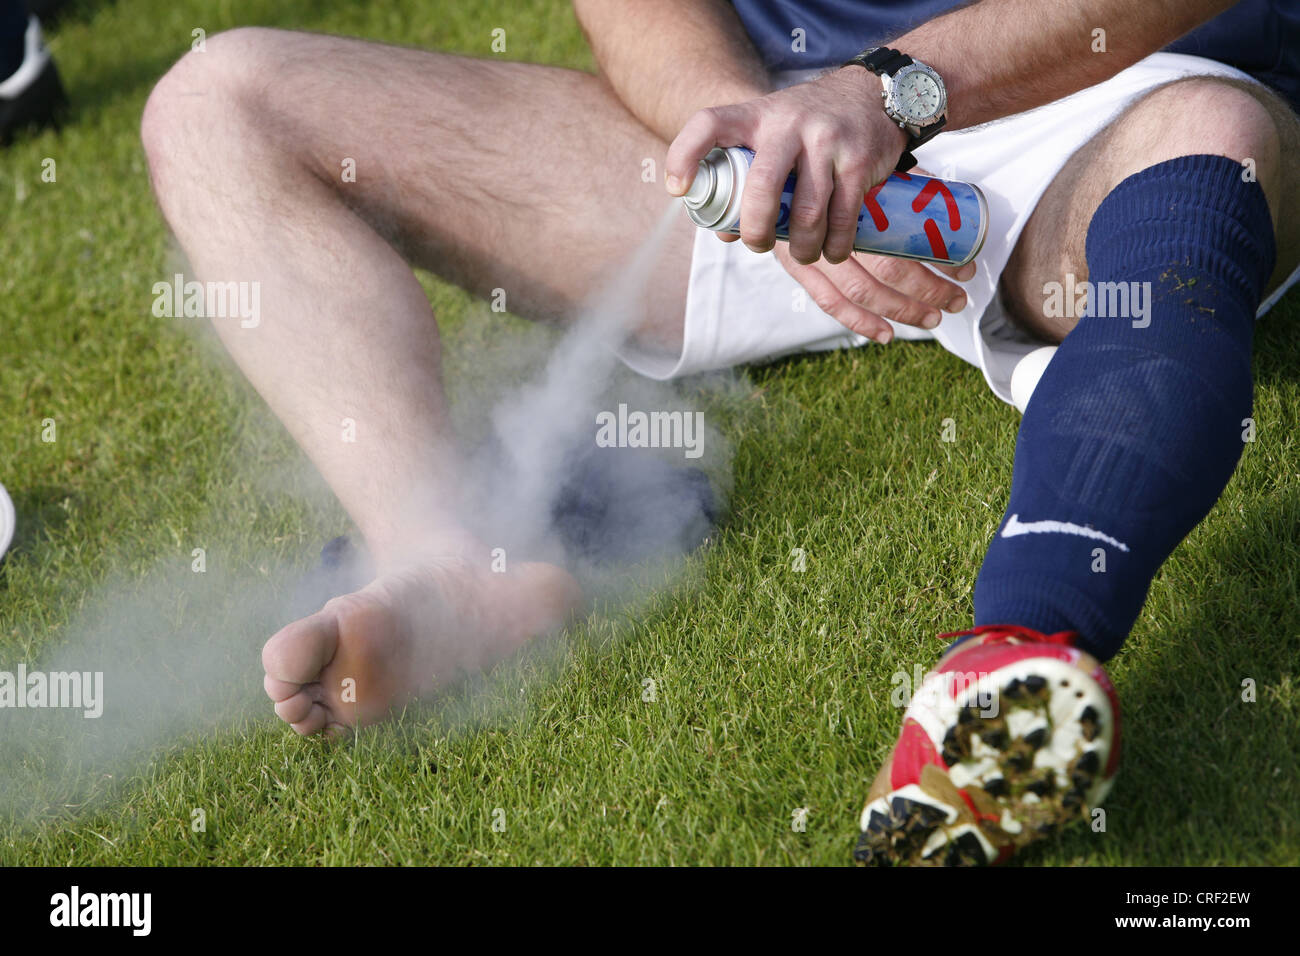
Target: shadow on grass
x=1277, y=350
x=1202, y=766
x=41, y=512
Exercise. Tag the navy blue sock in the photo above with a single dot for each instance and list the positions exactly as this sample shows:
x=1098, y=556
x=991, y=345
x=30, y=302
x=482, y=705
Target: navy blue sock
x=1133, y=432
x=13, y=28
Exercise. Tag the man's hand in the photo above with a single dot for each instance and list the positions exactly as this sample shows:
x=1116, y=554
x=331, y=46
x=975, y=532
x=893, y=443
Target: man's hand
x=863, y=289
x=831, y=132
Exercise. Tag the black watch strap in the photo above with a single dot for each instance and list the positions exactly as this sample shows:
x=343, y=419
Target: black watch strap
x=882, y=59
x=927, y=132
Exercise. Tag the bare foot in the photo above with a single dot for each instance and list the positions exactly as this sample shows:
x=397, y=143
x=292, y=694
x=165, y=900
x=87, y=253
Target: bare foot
x=405, y=634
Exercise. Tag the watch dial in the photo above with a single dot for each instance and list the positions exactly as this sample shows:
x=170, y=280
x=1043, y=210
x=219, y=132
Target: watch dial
x=918, y=96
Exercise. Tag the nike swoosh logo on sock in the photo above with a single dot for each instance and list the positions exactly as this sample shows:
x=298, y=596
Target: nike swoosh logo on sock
x=1015, y=526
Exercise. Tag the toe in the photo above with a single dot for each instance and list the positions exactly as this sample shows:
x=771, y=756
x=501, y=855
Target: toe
x=314, y=722
x=279, y=690
x=296, y=708
x=299, y=652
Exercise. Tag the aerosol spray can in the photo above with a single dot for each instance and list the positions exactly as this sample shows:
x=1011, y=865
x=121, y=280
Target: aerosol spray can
x=908, y=215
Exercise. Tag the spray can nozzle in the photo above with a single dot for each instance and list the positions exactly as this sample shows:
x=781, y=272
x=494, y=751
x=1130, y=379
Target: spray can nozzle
x=713, y=201
x=702, y=186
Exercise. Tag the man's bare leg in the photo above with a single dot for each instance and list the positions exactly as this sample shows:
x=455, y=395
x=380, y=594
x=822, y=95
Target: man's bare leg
x=1197, y=115
x=491, y=174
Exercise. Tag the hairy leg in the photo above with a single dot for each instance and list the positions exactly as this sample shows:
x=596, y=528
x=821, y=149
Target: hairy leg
x=1186, y=117
x=494, y=175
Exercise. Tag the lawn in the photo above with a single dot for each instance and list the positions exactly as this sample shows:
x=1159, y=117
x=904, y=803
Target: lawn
x=771, y=687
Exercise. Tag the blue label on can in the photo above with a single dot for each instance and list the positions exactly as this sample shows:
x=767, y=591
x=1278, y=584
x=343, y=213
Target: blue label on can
x=910, y=215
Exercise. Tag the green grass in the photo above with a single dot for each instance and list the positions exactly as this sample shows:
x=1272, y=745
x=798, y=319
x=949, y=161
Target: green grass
x=772, y=686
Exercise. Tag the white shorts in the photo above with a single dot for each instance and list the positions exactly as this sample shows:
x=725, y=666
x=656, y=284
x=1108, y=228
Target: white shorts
x=740, y=304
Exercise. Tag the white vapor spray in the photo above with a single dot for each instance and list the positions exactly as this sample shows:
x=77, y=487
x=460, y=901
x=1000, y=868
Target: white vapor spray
x=543, y=439
x=179, y=650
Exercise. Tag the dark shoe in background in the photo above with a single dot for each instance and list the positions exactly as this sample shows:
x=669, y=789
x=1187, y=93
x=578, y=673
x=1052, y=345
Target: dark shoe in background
x=46, y=10
x=31, y=94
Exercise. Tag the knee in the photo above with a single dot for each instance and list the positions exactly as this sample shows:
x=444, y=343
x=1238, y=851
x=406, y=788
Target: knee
x=1223, y=117
x=203, y=92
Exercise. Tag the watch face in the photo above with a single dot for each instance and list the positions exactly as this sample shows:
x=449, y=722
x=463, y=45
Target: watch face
x=917, y=96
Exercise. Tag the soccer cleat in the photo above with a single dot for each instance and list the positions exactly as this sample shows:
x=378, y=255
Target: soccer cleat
x=1012, y=735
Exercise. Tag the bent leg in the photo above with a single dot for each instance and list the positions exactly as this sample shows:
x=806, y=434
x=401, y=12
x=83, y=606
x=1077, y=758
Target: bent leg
x=494, y=175
x=1129, y=438
x=1198, y=115
x=1136, y=425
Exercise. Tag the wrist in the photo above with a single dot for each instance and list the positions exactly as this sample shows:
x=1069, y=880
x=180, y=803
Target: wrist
x=889, y=131
x=722, y=92
x=865, y=89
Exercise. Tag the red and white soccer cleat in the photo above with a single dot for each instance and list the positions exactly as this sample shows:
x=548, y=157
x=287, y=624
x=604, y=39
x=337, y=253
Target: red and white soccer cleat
x=1013, y=734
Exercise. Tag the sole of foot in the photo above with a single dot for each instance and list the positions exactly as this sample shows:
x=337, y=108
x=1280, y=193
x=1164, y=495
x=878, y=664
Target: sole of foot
x=408, y=634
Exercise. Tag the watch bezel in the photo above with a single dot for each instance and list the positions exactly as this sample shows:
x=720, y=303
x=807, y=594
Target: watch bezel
x=892, y=106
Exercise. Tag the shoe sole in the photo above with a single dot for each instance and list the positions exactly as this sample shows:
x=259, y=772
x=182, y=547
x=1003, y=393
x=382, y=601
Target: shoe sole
x=1031, y=759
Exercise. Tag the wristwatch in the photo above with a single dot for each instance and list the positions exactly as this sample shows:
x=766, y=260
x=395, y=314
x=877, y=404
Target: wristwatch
x=913, y=94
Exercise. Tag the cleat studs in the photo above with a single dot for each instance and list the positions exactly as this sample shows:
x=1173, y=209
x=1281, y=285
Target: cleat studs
x=910, y=816
x=1041, y=787
x=952, y=748
x=965, y=851
x=998, y=739
x=864, y=853
x=1090, y=721
x=1088, y=763
x=997, y=787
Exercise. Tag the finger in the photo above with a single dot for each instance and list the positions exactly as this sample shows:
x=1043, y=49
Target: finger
x=812, y=193
x=860, y=287
x=844, y=208
x=960, y=273
x=829, y=299
x=915, y=281
x=718, y=126
x=727, y=236
x=760, y=204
